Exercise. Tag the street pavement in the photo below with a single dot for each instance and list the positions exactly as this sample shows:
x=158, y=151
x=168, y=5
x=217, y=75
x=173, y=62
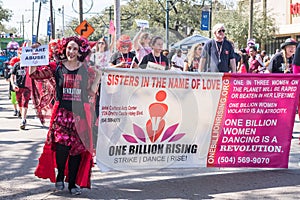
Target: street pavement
x=20, y=149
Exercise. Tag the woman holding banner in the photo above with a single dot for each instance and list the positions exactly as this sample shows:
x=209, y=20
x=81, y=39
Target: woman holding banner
x=100, y=59
x=156, y=55
x=69, y=138
x=124, y=58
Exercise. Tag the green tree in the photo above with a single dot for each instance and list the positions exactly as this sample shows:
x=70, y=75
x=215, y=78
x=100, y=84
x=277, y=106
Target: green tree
x=70, y=27
x=183, y=15
x=5, y=15
x=236, y=20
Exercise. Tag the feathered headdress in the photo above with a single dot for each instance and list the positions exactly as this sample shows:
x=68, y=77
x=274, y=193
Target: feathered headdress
x=60, y=49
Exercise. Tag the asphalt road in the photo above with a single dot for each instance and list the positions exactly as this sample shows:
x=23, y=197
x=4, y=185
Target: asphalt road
x=20, y=149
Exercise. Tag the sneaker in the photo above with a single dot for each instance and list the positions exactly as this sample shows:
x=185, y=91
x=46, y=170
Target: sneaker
x=23, y=124
x=16, y=113
x=19, y=114
x=59, y=185
x=75, y=191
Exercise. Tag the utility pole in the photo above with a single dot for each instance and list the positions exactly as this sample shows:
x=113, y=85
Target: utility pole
x=263, y=46
x=61, y=10
x=80, y=12
x=250, y=30
x=63, y=21
x=210, y=19
x=167, y=19
x=167, y=24
x=52, y=21
x=110, y=17
x=32, y=20
x=38, y=24
x=117, y=18
x=23, y=27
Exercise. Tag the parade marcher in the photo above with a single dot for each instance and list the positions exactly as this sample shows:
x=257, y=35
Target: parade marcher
x=101, y=57
x=282, y=62
x=237, y=56
x=13, y=96
x=256, y=64
x=265, y=58
x=101, y=60
x=191, y=63
x=218, y=53
x=141, y=44
x=156, y=55
x=243, y=64
x=124, y=58
x=296, y=68
x=69, y=138
x=177, y=60
x=43, y=90
x=21, y=84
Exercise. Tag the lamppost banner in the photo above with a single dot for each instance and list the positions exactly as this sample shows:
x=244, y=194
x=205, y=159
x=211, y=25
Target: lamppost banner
x=152, y=119
x=205, y=20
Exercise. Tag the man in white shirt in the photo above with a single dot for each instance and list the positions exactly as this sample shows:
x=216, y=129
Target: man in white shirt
x=177, y=60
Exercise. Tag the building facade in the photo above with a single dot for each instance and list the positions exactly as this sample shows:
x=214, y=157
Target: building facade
x=287, y=19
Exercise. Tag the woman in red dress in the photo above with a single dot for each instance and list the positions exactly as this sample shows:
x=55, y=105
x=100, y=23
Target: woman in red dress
x=69, y=144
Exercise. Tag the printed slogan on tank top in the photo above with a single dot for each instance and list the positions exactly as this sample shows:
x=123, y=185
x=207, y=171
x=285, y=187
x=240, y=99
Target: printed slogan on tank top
x=71, y=88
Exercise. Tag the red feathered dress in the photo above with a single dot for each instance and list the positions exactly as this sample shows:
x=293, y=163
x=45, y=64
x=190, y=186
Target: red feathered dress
x=47, y=161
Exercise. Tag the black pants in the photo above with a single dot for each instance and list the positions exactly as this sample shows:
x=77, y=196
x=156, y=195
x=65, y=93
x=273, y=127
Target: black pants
x=62, y=154
x=95, y=128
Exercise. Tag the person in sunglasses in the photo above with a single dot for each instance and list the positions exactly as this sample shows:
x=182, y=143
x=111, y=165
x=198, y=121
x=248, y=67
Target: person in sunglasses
x=218, y=53
x=100, y=59
x=124, y=58
x=103, y=51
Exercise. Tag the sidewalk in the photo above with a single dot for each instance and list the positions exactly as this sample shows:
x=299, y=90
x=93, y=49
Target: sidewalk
x=20, y=149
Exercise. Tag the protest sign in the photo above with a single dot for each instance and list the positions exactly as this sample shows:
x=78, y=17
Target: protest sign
x=35, y=56
x=142, y=23
x=152, y=65
x=152, y=119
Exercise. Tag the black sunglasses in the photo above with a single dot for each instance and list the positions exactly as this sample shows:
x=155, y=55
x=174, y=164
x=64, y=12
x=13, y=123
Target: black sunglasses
x=222, y=30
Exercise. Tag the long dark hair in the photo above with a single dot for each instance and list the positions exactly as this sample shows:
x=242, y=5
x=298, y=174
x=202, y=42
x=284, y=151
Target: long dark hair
x=245, y=59
x=84, y=48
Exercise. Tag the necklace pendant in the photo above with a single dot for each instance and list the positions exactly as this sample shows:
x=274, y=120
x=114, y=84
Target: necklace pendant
x=219, y=60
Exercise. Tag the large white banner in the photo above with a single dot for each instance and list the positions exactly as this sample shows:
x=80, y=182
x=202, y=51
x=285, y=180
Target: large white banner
x=167, y=119
x=148, y=119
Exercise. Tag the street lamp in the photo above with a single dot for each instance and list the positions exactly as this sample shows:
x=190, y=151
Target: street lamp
x=210, y=18
x=167, y=20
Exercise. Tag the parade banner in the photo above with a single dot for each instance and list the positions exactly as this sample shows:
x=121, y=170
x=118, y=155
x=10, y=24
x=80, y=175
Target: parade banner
x=35, y=56
x=152, y=119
